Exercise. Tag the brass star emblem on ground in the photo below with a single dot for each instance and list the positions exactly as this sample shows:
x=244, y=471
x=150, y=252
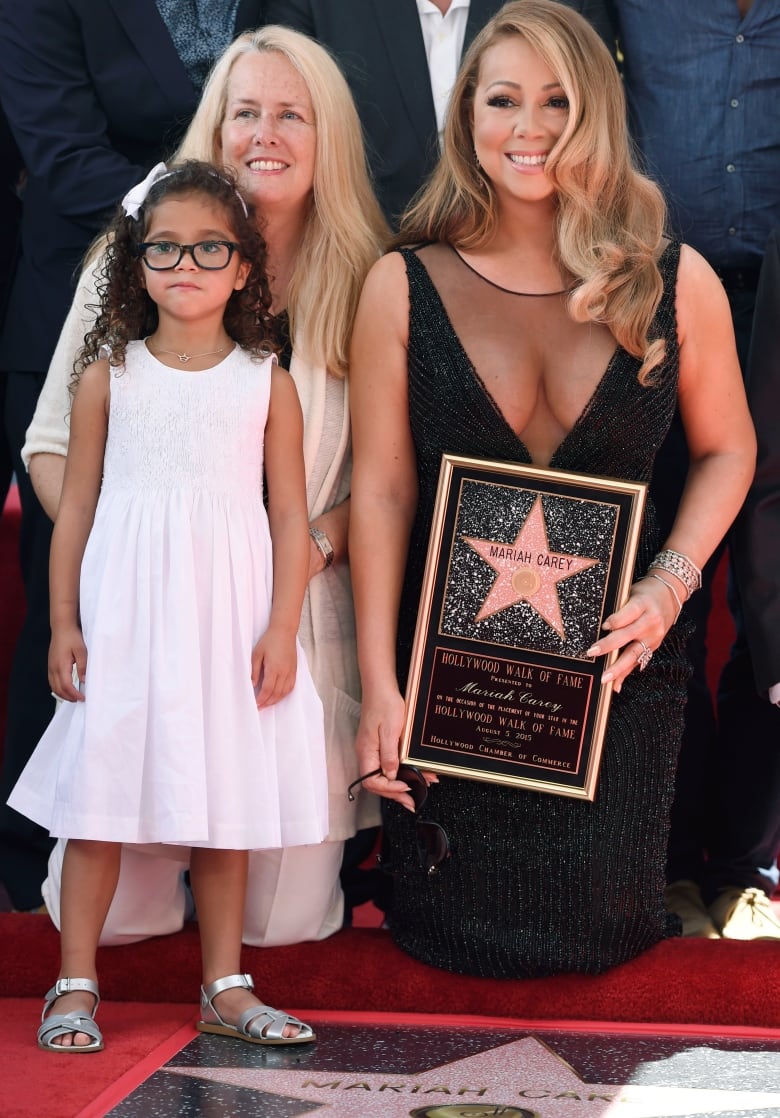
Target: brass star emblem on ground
x=527, y=571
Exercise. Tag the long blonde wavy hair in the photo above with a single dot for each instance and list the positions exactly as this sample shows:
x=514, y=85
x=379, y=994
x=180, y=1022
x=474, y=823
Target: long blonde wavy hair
x=610, y=219
x=345, y=230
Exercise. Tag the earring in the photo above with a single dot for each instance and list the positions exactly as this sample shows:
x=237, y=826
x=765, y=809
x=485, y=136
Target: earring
x=476, y=159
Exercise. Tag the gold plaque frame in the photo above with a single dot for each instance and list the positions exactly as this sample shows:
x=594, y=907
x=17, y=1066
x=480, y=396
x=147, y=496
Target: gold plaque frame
x=524, y=564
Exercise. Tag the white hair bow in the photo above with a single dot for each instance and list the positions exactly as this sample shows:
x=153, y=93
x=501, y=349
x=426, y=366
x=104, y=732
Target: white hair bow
x=136, y=195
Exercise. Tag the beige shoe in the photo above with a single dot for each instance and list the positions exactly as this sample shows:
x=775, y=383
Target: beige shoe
x=683, y=898
x=745, y=914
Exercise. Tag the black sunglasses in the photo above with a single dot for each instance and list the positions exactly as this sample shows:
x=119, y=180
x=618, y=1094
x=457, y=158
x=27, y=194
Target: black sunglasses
x=433, y=846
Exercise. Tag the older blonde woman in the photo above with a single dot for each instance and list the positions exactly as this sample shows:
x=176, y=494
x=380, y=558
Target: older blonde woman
x=538, y=314
x=277, y=110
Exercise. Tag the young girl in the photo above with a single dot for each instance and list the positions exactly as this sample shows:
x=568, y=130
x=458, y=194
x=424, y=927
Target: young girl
x=188, y=724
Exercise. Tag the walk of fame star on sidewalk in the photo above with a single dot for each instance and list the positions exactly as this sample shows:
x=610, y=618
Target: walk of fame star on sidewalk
x=522, y=1075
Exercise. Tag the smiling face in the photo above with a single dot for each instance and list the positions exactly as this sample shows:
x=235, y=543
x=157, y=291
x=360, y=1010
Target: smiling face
x=520, y=111
x=268, y=135
x=188, y=293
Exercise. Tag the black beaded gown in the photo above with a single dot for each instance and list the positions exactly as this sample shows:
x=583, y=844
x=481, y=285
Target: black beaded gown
x=538, y=884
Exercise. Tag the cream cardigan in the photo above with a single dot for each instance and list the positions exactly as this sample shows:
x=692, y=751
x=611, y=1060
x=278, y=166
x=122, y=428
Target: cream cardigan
x=327, y=631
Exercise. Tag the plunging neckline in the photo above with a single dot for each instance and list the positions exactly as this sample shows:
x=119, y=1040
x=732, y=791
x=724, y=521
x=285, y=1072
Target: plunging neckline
x=484, y=392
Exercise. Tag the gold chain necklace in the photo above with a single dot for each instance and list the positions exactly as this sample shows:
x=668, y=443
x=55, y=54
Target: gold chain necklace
x=185, y=357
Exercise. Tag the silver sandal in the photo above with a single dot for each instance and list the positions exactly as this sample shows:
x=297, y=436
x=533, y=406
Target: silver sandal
x=61, y=1024
x=258, y=1025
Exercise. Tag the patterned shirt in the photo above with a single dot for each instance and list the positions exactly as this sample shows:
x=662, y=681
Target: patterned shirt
x=201, y=30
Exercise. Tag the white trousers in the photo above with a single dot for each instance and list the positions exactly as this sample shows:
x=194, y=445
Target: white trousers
x=292, y=895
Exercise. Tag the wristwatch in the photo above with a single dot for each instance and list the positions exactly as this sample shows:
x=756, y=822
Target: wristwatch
x=324, y=545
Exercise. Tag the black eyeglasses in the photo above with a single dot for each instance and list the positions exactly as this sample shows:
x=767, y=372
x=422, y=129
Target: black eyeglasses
x=433, y=846
x=212, y=256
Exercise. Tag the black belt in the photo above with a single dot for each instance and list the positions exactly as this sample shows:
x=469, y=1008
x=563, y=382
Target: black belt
x=739, y=279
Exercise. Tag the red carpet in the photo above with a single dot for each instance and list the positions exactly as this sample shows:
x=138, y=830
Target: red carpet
x=678, y=981
x=39, y=1083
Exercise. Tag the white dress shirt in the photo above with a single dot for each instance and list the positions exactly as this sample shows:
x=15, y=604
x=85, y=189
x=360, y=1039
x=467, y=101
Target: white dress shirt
x=443, y=36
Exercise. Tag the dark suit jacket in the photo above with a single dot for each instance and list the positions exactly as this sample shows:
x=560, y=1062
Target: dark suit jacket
x=380, y=47
x=756, y=534
x=95, y=94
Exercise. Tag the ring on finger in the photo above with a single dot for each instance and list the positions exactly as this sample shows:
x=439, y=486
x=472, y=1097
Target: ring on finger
x=645, y=656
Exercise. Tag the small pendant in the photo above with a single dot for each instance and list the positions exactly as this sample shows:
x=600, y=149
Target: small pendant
x=184, y=357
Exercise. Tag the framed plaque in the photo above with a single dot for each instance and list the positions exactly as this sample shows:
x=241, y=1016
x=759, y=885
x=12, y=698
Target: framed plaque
x=524, y=565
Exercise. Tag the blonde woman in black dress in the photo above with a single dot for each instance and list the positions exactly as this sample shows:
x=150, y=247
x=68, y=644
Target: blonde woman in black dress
x=536, y=313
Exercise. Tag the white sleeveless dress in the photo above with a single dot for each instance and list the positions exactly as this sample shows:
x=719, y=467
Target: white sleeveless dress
x=176, y=582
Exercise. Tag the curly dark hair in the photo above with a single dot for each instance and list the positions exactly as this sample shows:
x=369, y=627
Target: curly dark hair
x=126, y=312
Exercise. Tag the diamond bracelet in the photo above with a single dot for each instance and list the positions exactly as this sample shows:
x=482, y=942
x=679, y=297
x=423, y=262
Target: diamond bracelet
x=680, y=566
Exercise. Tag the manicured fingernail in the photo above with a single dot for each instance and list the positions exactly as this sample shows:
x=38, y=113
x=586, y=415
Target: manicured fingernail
x=594, y=650
x=607, y=677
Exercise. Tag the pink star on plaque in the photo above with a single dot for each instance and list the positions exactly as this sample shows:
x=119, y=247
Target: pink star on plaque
x=528, y=571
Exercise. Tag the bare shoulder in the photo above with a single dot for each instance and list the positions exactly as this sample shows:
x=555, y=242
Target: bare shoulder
x=91, y=405
x=695, y=273
x=93, y=384
x=96, y=373
x=279, y=374
x=699, y=294
x=390, y=268
x=282, y=381
x=387, y=278
x=708, y=354
x=384, y=302
x=284, y=394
